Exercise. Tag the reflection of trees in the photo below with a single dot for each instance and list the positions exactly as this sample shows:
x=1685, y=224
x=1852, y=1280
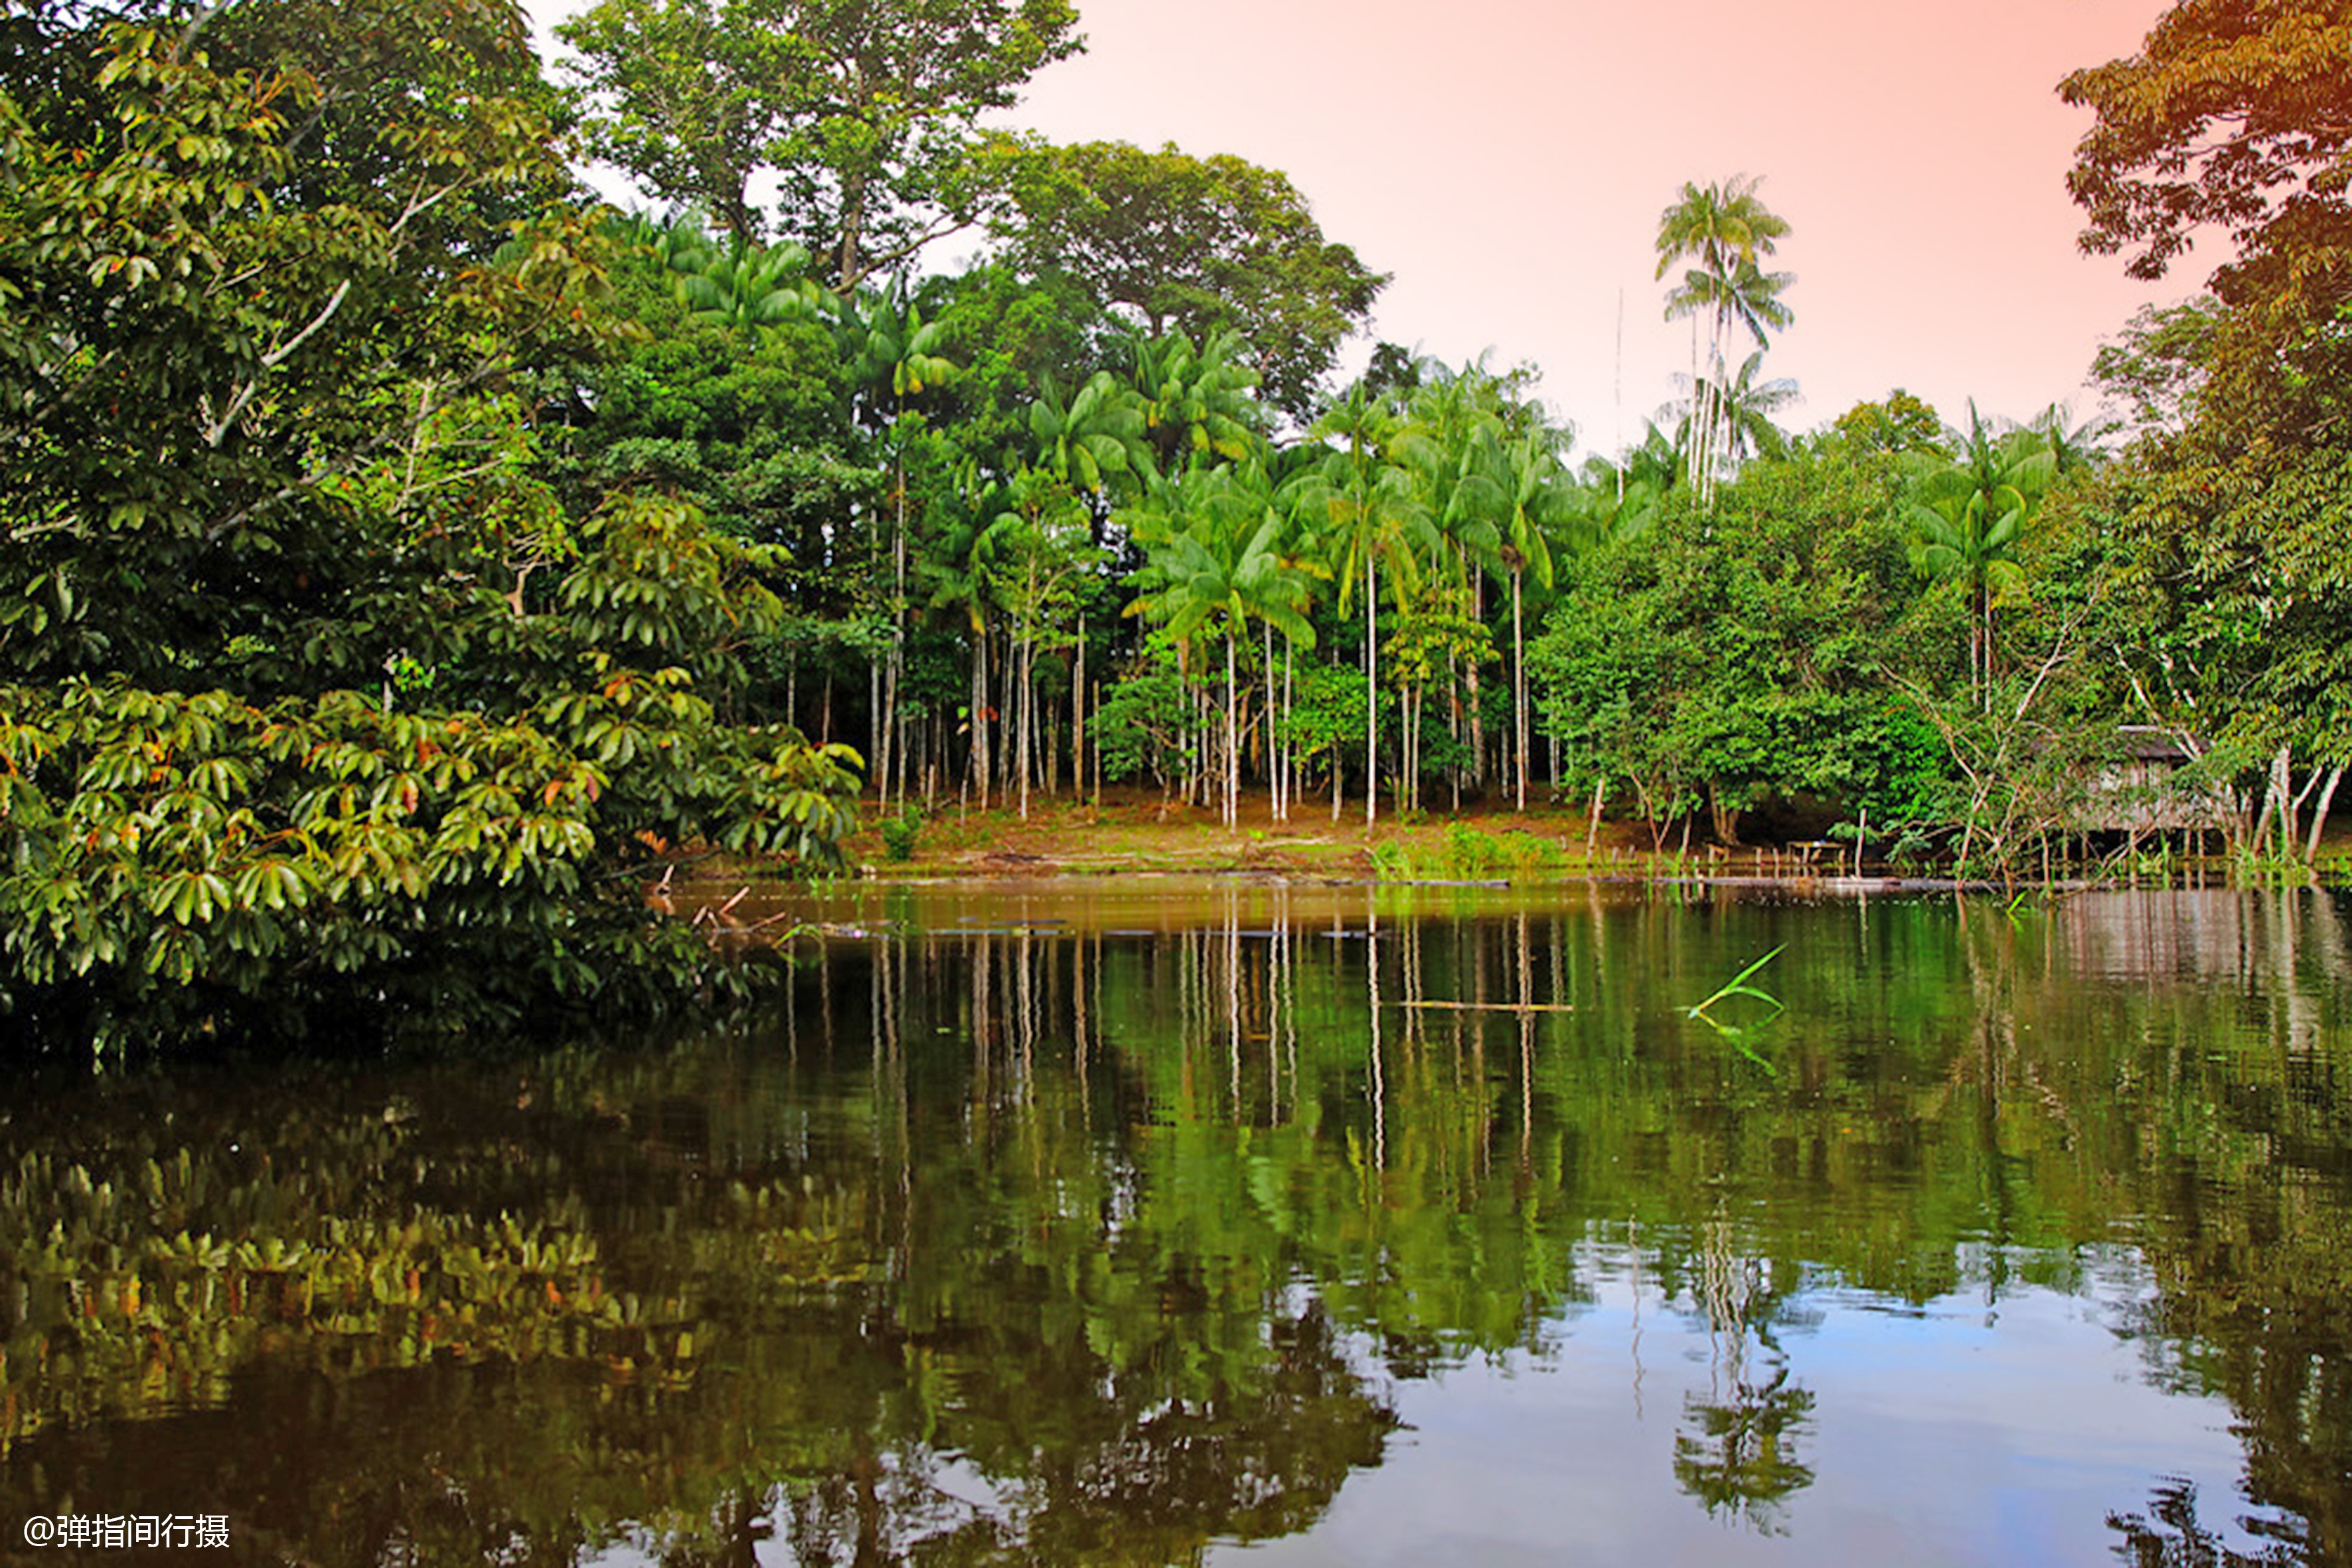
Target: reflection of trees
x=1007, y=1244
x=1737, y=1453
x=2168, y=1535
x=731, y=1289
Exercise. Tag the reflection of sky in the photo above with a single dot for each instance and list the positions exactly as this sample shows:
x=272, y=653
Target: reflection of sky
x=1954, y=1434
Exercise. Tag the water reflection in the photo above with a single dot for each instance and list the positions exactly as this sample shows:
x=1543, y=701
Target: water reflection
x=1007, y=1239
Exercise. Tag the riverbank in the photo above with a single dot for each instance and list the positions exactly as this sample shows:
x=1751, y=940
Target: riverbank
x=1139, y=831
x=1132, y=832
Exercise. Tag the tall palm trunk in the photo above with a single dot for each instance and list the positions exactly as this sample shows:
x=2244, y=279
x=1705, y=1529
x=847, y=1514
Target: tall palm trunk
x=1273, y=748
x=1027, y=699
x=1298, y=771
x=1079, y=713
x=893, y=746
x=1477, y=716
x=1520, y=686
x=1371, y=695
x=976, y=773
x=1233, y=739
x=1690, y=449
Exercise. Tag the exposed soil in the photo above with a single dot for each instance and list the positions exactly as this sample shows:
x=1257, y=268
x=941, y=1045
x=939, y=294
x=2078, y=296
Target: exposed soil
x=1137, y=830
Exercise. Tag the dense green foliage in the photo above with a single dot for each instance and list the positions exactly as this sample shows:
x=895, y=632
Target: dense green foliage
x=865, y=113
x=1198, y=245
x=320, y=693
x=1738, y=658
x=332, y=408
x=2229, y=535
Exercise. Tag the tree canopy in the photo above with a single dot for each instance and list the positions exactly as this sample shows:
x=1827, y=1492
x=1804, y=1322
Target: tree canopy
x=866, y=115
x=1197, y=246
x=2236, y=116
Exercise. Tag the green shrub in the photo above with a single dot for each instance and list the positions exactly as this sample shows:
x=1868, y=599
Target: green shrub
x=899, y=834
x=1471, y=852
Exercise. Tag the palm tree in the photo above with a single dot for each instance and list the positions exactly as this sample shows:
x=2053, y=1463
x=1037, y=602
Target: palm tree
x=1035, y=555
x=1969, y=516
x=1095, y=445
x=1370, y=514
x=957, y=571
x=1723, y=227
x=1746, y=296
x=2072, y=447
x=1223, y=566
x=1094, y=442
x=1253, y=493
x=682, y=245
x=743, y=288
x=1452, y=441
x=1741, y=408
x=892, y=356
x=1196, y=404
x=1620, y=499
x=1541, y=503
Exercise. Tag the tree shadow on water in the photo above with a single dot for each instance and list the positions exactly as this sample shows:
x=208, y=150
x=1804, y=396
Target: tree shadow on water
x=2169, y=1535
x=1739, y=1455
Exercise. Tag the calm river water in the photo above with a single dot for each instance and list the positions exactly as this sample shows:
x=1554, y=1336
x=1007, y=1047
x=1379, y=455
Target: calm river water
x=1251, y=1226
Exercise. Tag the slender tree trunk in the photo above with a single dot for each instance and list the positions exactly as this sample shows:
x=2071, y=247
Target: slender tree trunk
x=1008, y=714
x=1000, y=763
x=1028, y=720
x=2273, y=796
x=852, y=218
x=1371, y=695
x=1049, y=748
x=1336, y=771
x=976, y=766
x=894, y=769
x=1078, y=713
x=1233, y=741
x=1690, y=447
x=2319, y=815
x=1477, y=712
x=2293, y=827
x=1720, y=425
x=1401, y=786
x=1289, y=721
x=1453, y=683
x=1272, y=749
x=1520, y=686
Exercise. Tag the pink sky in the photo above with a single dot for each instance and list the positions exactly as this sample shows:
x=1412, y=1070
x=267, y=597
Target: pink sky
x=1507, y=162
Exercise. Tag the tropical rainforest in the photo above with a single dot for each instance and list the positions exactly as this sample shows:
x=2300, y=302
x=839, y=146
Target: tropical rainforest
x=406, y=556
